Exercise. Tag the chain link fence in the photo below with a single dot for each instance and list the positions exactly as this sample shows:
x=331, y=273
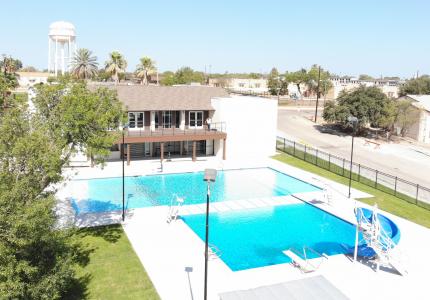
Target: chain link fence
x=390, y=184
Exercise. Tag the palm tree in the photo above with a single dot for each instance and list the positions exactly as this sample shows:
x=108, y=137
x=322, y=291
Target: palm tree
x=116, y=65
x=84, y=64
x=145, y=68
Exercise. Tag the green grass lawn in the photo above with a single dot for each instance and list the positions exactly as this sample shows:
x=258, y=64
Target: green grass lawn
x=113, y=270
x=385, y=201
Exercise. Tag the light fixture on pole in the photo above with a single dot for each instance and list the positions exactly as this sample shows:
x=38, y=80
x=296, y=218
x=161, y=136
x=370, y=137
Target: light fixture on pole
x=209, y=176
x=354, y=122
x=318, y=93
x=123, y=181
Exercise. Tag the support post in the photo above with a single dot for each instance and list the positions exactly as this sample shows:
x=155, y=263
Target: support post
x=350, y=166
x=161, y=152
x=128, y=154
x=416, y=197
x=395, y=186
x=224, y=149
x=294, y=148
x=318, y=93
x=376, y=180
x=181, y=148
x=359, y=172
x=305, y=153
x=329, y=162
x=194, y=150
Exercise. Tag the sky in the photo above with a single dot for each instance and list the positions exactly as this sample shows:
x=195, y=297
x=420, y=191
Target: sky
x=388, y=38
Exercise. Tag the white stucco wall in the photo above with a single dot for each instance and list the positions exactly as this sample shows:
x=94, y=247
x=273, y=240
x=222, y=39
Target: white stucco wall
x=250, y=125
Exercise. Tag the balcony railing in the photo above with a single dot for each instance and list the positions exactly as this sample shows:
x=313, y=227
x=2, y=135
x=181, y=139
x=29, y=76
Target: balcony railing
x=213, y=128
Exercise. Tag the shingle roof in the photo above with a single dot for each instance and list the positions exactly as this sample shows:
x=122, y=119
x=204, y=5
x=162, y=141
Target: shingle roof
x=141, y=98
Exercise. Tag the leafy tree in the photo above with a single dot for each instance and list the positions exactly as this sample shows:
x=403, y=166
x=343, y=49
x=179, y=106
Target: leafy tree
x=417, y=86
x=9, y=65
x=406, y=115
x=116, y=65
x=144, y=68
x=365, y=77
x=184, y=75
x=29, y=69
x=277, y=83
x=8, y=82
x=84, y=64
x=298, y=78
x=37, y=257
x=312, y=80
x=168, y=78
x=80, y=119
x=369, y=104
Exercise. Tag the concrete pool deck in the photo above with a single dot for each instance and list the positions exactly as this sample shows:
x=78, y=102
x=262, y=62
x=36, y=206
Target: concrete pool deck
x=173, y=255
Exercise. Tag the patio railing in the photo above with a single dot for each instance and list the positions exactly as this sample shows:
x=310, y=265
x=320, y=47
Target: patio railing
x=213, y=128
x=391, y=184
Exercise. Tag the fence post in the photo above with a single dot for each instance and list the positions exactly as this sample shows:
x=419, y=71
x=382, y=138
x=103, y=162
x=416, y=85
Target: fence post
x=376, y=180
x=359, y=172
x=284, y=144
x=416, y=197
x=316, y=158
x=294, y=148
x=395, y=186
x=329, y=162
x=305, y=153
x=343, y=167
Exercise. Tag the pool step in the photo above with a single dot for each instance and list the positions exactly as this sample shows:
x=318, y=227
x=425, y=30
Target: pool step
x=238, y=205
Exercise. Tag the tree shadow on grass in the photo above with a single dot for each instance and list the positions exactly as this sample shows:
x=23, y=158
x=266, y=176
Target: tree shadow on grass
x=110, y=233
x=79, y=288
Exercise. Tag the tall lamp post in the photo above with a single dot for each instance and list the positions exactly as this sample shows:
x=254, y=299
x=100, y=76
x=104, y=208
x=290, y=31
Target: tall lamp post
x=209, y=176
x=353, y=121
x=123, y=183
x=318, y=93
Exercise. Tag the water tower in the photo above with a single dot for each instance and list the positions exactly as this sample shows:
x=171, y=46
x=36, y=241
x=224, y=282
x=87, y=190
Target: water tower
x=61, y=46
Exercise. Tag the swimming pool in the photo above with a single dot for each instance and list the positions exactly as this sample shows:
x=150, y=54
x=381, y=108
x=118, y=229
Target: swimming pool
x=102, y=195
x=255, y=238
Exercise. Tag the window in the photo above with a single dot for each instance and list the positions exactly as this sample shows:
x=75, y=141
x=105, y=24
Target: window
x=135, y=120
x=167, y=119
x=241, y=84
x=131, y=120
x=177, y=119
x=196, y=119
x=156, y=119
x=257, y=85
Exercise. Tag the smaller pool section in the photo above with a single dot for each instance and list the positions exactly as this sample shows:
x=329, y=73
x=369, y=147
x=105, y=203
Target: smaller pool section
x=103, y=195
x=255, y=238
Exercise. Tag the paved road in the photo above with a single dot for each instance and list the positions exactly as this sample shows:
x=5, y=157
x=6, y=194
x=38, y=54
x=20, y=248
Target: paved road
x=406, y=161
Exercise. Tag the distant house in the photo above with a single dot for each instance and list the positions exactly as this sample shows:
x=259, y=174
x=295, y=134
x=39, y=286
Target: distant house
x=29, y=79
x=192, y=121
x=420, y=130
x=388, y=87
x=256, y=85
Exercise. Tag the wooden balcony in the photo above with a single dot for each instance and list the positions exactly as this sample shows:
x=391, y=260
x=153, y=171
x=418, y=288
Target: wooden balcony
x=144, y=135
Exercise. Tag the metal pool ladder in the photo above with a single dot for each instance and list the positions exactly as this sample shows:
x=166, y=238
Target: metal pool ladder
x=175, y=204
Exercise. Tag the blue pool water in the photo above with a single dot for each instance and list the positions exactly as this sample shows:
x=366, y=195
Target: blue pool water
x=255, y=238
x=101, y=195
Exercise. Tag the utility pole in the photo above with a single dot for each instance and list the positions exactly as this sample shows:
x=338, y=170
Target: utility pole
x=318, y=93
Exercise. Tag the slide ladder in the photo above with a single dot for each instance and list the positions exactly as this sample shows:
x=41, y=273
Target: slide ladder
x=377, y=238
x=175, y=204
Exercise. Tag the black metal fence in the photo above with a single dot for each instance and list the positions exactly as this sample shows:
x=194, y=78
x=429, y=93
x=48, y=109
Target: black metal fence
x=398, y=187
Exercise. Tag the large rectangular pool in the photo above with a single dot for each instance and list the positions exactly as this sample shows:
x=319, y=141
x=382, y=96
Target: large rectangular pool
x=102, y=195
x=257, y=237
